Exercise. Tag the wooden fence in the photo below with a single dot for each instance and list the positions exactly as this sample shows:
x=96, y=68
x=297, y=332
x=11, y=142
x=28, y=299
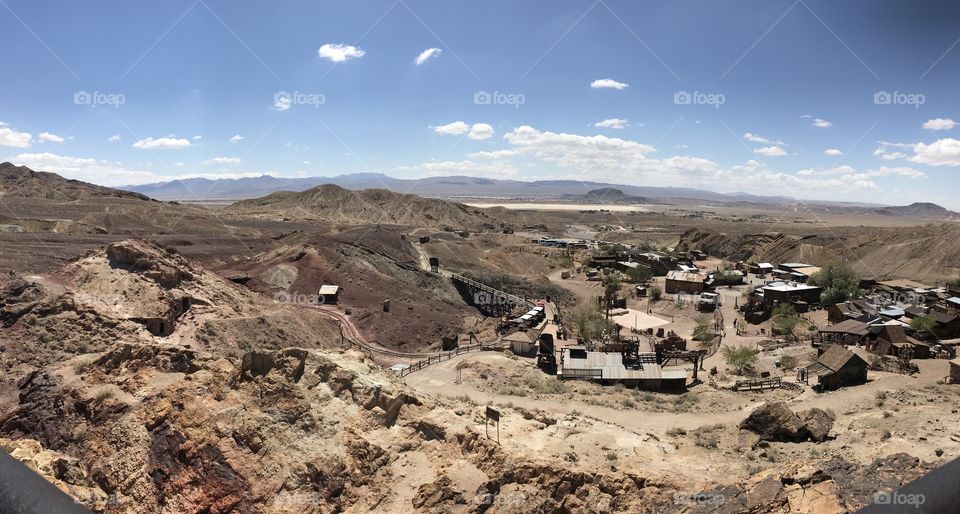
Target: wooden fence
x=758, y=385
x=444, y=356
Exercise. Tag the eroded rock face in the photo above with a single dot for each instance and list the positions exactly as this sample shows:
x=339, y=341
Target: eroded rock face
x=144, y=258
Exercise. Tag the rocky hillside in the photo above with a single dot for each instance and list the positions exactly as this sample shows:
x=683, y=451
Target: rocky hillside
x=929, y=253
x=22, y=182
x=334, y=204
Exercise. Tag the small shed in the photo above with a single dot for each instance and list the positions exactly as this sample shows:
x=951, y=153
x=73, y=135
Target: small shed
x=838, y=367
x=330, y=294
x=954, y=375
x=683, y=282
x=523, y=342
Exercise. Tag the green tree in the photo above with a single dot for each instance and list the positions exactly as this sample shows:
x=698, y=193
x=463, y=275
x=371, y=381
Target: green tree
x=704, y=329
x=838, y=281
x=611, y=286
x=923, y=324
x=740, y=358
x=639, y=275
x=584, y=318
x=785, y=320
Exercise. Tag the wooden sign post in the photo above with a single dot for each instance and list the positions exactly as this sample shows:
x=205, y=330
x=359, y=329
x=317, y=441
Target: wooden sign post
x=492, y=414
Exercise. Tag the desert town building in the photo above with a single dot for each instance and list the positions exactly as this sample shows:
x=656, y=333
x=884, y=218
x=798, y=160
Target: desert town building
x=837, y=367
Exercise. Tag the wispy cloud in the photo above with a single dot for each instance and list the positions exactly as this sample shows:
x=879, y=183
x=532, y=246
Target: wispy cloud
x=427, y=54
x=608, y=84
x=340, y=52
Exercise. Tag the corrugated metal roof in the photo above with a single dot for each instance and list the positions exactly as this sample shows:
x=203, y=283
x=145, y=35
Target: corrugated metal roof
x=682, y=276
x=329, y=289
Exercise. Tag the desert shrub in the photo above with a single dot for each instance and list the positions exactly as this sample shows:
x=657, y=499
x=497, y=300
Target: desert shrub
x=654, y=293
x=740, y=358
x=789, y=361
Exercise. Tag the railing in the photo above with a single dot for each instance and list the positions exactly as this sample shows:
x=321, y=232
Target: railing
x=494, y=291
x=581, y=373
x=444, y=356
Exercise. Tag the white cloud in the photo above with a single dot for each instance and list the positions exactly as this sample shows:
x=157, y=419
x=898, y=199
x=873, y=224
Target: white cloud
x=223, y=160
x=3, y=124
x=939, y=124
x=452, y=129
x=613, y=123
x=107, y=173
x=114, y=138
x=281, y=102
x=236, y=138
x=496, y=154
x=51, y=138
x=340, y=52
x=821, y=123
x=480, y=131
x=429, y=53
x=756, y=138
x=608, y=84
x=942, y=152
x=833, y=152
x=466, y=167
x=196, y=138
x=163, y=143
x=770, y=151
x=806, y=116
x=10, y=137
x=179, y=164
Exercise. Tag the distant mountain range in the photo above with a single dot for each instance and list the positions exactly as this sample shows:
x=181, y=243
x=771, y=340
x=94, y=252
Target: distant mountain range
x=455, y=187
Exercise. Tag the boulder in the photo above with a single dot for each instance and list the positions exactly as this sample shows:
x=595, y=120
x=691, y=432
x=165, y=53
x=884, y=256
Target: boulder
x=775, y=422
x=817, y=422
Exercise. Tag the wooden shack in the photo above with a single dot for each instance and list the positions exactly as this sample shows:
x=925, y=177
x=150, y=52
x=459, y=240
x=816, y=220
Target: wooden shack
x=838, y=367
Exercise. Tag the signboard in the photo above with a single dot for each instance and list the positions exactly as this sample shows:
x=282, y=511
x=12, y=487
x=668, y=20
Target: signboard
x=493, y=414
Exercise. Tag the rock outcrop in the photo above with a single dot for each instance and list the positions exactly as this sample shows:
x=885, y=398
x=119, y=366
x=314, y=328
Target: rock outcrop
x=776, y=422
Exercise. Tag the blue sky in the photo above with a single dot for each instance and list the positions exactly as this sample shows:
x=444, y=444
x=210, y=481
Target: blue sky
x=851, y=100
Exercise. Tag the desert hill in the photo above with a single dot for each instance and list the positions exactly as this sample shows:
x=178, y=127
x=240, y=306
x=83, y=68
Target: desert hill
x=334, y=204
x=22, y=182
x=928, y=253
x=920, y=210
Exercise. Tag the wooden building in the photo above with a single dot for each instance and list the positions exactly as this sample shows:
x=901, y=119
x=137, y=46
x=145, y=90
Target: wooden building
x=838, y=367
x=683, y=282
x=894, y=341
